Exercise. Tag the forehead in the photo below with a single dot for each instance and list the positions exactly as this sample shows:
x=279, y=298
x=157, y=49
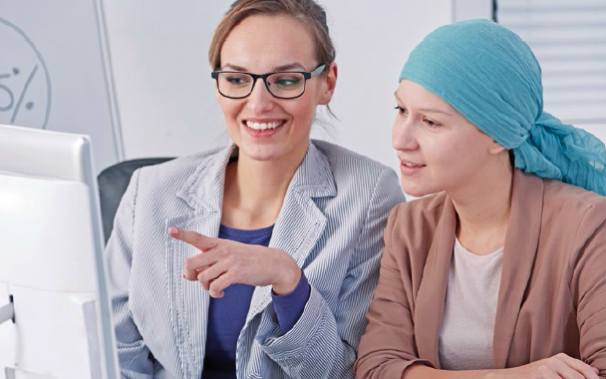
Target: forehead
x=415, y=95
x=261, y=43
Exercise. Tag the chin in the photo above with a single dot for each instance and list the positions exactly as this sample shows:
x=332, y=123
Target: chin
x=260, y=153
x=416, y=191
x=416, y=194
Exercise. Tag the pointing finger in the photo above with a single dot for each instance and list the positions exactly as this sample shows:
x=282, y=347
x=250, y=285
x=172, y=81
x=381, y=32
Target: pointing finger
x=195, y=239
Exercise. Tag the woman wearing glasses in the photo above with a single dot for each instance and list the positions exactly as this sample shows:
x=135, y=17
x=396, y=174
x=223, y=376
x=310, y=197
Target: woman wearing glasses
x=257, y=260
x=503, y=272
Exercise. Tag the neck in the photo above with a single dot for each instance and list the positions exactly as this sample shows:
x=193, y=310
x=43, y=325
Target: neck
x=255, y=191
x=483, y=207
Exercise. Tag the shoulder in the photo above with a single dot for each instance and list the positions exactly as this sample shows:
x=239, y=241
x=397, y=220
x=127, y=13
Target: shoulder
x=360, y=181
x=572, y=209
x=570, y=203
x=176, y=173
x=419, y=216
x=341, y=158
x=349, y=166
x=410, y=234
x=411, y=227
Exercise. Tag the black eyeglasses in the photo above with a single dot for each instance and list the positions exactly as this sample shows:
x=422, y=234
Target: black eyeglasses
x=282, y=85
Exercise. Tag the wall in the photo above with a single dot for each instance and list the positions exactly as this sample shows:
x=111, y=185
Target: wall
x=165, y=94
x=54, y=73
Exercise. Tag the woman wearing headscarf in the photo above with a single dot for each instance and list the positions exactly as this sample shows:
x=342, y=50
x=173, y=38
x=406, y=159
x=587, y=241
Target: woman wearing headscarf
x=501, y=271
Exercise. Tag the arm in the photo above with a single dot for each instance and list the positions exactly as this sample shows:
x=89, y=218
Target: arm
x=289, y=307
x=558, y=366
x=133, y=354
x=588, y=287
x=388, y=345
x=387, y=349
x=323, y=343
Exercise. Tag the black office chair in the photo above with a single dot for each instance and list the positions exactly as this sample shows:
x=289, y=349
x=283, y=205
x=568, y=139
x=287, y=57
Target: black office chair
x=112, y=185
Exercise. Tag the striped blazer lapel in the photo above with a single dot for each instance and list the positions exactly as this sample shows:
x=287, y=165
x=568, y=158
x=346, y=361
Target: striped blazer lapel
x=203, y=193
x=300, y=223
x=189, y=302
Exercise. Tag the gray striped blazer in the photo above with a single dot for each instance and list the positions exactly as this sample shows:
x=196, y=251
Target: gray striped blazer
x=331, y=222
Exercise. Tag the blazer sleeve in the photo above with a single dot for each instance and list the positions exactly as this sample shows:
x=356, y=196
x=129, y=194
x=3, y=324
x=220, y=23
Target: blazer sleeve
x=588, y=287
x=323, y=342
x=388, y=347
x=133, y=355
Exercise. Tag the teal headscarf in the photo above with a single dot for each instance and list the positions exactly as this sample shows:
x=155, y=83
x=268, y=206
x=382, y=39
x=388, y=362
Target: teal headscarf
x=490, y=76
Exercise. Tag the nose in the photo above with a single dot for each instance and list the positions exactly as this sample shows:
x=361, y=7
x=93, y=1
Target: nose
x=260, y=100
x=403, y=136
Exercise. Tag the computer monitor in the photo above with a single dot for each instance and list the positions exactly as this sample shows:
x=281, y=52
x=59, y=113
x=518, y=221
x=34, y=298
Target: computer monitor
x=53, y=292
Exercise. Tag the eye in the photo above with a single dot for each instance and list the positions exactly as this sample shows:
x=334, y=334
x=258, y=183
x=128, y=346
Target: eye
x=430, y=123
x=235, y=79
x=286, y=80
x=401, y=110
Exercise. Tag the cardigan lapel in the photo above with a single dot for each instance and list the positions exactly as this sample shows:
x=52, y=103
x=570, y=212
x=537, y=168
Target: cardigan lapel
x=203, y=195
x=519, y=254
x=300, y=223
x=432, y=290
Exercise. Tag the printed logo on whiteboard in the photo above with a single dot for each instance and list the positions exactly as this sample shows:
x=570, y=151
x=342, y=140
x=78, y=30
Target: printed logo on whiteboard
x=25, y=90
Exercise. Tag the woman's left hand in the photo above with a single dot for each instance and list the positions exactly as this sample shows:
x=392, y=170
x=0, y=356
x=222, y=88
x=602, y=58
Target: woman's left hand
x=222, y=263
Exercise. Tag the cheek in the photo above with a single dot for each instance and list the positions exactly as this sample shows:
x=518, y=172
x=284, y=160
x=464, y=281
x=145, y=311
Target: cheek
x=229, y=108
x=302, y=112
x=220, y=100
x=463, y=153
x=461, y=160
x=396, y=129
x=448, y=156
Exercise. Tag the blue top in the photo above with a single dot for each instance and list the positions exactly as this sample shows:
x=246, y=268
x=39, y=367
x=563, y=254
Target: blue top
x=226, y=315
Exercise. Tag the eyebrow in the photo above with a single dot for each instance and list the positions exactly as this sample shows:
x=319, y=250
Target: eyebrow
x=286, y=67
x=426, y=110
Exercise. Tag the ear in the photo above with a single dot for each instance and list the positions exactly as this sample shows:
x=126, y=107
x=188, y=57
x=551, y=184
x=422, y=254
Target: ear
x=330, y=81
x=495, y=148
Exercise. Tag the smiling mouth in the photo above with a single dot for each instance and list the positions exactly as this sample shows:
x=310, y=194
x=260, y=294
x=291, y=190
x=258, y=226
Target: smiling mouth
x=264, y=125
x=412, y=165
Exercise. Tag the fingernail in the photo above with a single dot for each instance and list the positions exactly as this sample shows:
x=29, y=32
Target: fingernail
x=173, y=231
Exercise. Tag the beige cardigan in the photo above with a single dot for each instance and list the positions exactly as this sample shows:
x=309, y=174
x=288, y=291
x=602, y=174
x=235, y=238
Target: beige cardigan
x=552, y=296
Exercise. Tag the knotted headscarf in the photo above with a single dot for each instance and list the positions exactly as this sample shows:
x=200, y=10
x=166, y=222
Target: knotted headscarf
x=490, y=76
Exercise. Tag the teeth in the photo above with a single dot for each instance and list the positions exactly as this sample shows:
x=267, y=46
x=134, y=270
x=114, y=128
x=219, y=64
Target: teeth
x=263, y=125
x=412, y=164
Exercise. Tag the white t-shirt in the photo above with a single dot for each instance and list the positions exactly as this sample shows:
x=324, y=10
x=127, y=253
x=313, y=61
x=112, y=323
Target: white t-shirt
x=465, y=341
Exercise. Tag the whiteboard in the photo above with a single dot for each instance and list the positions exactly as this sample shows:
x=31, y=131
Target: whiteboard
x=54, y=72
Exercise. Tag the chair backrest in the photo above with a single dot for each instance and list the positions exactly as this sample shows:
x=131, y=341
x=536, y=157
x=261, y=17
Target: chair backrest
x=112, y=185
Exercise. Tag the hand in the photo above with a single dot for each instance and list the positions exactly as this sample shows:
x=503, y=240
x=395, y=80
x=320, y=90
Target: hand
x=558, y=366
x=222, y=263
